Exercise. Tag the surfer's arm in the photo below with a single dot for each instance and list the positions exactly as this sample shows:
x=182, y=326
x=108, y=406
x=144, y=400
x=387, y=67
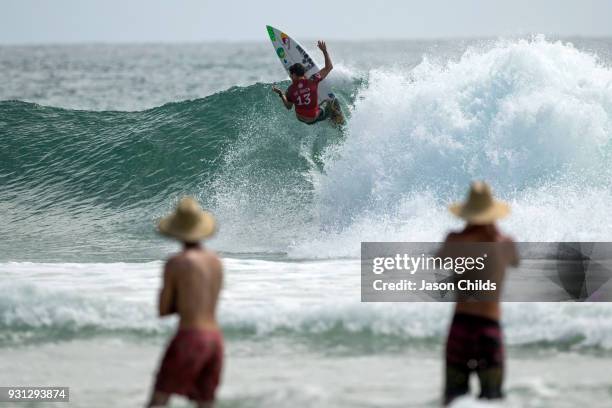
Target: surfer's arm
x=288, y=104
x=328, y=63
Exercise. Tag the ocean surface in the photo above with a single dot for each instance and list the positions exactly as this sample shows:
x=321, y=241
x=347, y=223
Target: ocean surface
x=99, y=141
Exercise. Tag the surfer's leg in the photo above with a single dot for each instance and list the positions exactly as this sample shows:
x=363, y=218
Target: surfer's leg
x=335, y=112
x=324, y=110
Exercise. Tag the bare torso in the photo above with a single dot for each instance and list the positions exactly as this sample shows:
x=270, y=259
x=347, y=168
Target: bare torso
x=507, y=256
x=192, y=283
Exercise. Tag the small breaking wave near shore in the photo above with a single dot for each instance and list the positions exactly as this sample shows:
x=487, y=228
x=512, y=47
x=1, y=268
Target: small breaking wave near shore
x=119, y=300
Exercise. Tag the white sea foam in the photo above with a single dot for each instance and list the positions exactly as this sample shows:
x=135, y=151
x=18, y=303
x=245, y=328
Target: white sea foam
x=39, y=302
x=532, y=117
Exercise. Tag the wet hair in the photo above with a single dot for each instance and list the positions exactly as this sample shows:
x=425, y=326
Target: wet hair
x=297, y=69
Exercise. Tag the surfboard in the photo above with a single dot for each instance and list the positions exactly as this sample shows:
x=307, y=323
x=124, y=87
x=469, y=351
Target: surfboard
x=289, y=52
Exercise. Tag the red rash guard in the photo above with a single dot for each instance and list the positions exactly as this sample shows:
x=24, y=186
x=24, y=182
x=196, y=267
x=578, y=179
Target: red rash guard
x=304, y=95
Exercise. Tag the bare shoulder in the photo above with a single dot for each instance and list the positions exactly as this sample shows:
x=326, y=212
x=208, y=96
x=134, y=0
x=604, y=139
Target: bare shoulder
x=505, y=239
x=509, y=248
x=172, y=265
x=179, y=261
x=509, y=245
x=453, y=237
x=445, y=248
x=213, y=261
x=204, y=259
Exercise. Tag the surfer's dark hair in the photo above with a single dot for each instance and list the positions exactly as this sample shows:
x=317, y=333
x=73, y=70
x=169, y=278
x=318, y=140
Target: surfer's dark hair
x=297, y=69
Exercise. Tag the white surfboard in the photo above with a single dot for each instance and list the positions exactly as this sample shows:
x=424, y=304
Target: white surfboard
x=289, y=51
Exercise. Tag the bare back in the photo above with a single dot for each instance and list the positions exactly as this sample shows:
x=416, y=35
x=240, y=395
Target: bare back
x=192, y=282
x=504, y=256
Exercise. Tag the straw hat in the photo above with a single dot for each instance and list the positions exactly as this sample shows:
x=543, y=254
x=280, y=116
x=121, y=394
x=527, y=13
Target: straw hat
x=188, y=223
x=480, y=207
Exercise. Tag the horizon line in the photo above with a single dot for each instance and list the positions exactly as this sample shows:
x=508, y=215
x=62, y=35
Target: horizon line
x=263, y=40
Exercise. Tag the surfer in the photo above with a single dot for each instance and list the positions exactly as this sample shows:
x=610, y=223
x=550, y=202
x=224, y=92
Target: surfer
x=475, y=337
x=303, y=92
x=192, y=280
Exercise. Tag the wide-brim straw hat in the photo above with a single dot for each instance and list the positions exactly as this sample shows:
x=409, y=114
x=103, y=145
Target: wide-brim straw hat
x=480, y=208
x=188, y=223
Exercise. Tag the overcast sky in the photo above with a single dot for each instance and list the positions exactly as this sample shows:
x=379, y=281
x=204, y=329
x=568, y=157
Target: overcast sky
x=77, y=21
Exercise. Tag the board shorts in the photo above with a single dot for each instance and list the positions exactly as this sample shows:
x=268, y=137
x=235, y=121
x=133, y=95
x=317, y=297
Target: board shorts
x=322, y=113
x=192, y=365
x=474, y=345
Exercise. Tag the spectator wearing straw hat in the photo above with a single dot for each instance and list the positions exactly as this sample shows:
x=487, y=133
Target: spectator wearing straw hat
x=475, y=343
x=192, y=282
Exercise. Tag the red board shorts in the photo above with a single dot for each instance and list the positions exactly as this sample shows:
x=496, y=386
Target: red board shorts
x=192, y=365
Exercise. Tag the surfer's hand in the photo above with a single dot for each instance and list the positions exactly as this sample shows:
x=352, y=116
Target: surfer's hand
x=277, y=91
x=322, y=46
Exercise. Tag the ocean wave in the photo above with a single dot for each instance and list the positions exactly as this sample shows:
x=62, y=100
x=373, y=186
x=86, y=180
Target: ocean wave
x=98, y=179
x=31, y=314
x=534, y=117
